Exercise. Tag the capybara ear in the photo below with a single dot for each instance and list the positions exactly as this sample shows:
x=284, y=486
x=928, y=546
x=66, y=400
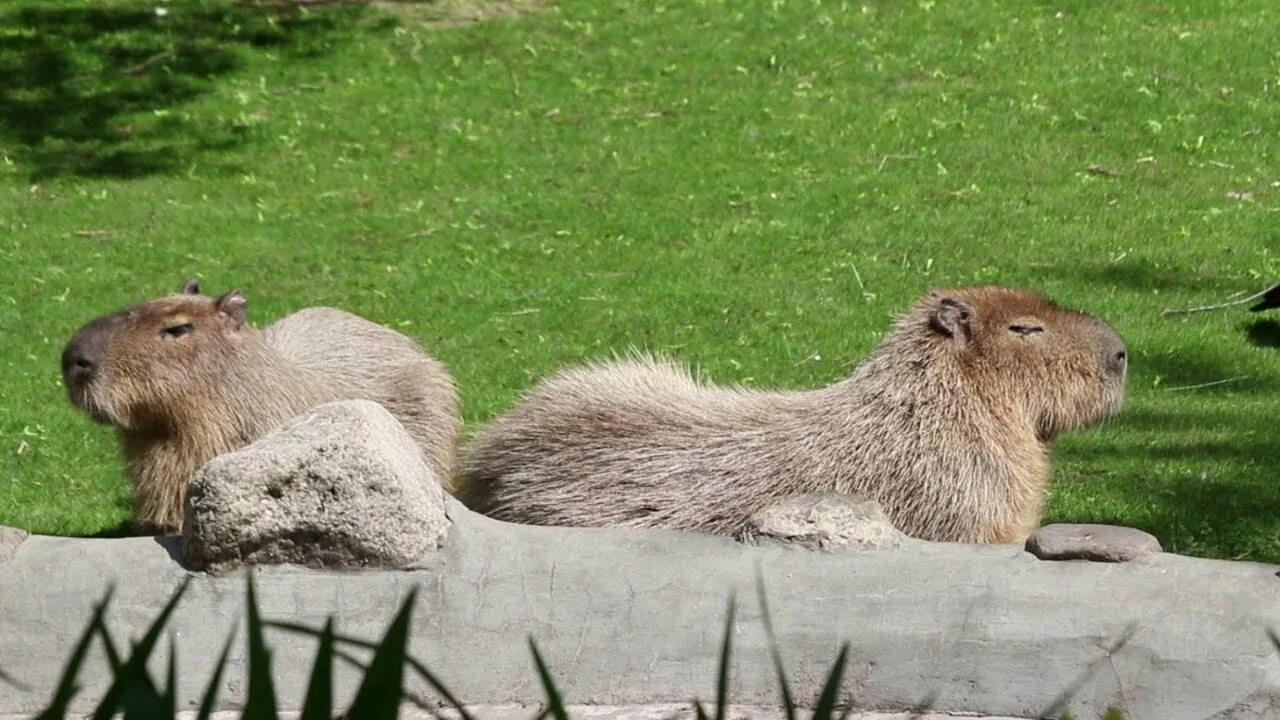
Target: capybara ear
x=234, y=307
x=191, y=287
x=953, y=317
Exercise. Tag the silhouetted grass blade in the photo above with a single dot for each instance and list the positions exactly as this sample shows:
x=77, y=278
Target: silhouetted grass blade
x=831, y=690
x=67, y=688
x=555, y=703
x=9, y=680
x=319, y=700
x=260, y=702
x=788, y=701
x=417, y=667
x=381, y=690
x=169, y=700
x=215, y=682
x=131, y=687
x=722, y=682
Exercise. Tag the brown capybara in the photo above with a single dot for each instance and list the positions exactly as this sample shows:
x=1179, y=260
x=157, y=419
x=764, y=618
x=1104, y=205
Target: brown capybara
x=949, y=424
x=185, y=378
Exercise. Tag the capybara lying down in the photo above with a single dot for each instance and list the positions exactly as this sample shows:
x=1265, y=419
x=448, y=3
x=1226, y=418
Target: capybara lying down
x=185, y=378
x=949, y=424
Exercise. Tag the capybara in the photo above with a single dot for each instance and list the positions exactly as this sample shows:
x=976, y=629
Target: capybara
x=185, y=378
x=949, y=423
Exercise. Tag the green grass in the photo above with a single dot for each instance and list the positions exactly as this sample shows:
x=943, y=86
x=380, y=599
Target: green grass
x=751, y=187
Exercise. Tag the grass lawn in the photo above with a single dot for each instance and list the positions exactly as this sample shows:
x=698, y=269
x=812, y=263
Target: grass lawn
x=753, y=187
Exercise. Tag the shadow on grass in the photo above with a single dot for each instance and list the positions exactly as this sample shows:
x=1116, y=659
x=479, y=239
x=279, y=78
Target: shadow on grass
x=1146, y=277
x=92, y=90
x=1264, y=333
x=123, y=530
x=1198, y=477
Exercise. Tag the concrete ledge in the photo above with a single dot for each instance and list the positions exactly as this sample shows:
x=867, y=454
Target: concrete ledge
x=667, y=711
x=634, y=618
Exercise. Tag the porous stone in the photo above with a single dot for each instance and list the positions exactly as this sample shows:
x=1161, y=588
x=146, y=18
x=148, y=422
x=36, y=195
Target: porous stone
x=10, y=539
x=824, y=521
x=341, y=486
x=1102, y=543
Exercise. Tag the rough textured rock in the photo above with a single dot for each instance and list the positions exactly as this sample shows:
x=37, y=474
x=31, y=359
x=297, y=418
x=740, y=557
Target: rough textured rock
x=1103, y=543
x=824, y=521
x=10, y=539
x=631, y=617
x=341, y=486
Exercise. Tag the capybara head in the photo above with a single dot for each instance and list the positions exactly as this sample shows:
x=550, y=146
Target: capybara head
x=1022, y=352
x=139, y=366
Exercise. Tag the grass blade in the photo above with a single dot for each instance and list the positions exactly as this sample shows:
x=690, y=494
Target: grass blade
x=319, y=702
x=414, y=664
x=555, y=703
x=722, y=682
x=109, y=647
x=260, y=701
x=131, y=685
x=8, y=679
x=117, y=664
x=831, y=690
x=67, y=687
x=788, y=700
x=169, y=706
x=215, y=683
x=383, y=686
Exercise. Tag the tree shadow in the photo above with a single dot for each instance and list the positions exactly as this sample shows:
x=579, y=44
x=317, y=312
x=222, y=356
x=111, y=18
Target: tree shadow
x=94, y=90
x=1196, y=373
x=1264, y=333
x=1143, y=276
x=1203, y=485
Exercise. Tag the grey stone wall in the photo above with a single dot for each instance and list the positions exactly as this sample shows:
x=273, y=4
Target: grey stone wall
x=635, y=618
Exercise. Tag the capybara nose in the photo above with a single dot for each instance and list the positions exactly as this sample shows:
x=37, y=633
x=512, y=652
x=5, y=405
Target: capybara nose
x=1115, y=357
x=79, y=361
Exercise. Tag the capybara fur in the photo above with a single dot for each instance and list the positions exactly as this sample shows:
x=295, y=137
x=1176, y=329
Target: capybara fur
x=949, y=423
x=185, y=378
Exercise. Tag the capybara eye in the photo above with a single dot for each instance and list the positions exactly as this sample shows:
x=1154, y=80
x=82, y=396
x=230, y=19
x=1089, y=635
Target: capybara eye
x=1025, y=329
x=177, y=331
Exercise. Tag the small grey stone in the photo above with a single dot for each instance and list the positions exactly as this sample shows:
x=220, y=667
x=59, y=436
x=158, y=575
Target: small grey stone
x=341, y=486
x=823, y=521
x=10, y=539
x=1103, y=543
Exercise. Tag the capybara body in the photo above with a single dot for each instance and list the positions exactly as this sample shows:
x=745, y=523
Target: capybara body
x=185, y=378
x=949, y=424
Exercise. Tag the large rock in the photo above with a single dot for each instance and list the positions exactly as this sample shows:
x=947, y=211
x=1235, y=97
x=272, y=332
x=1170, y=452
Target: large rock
x=341, y=486
x=10, y=539
x=823, y=521
x=1100, y=543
